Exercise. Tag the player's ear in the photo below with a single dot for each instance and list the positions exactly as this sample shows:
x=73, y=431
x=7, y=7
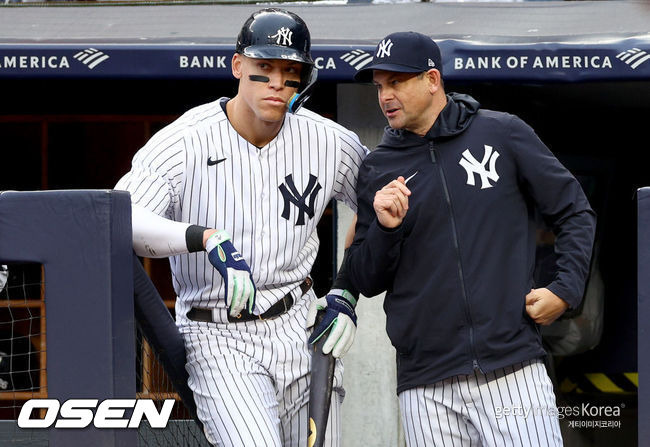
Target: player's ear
x=237, y=60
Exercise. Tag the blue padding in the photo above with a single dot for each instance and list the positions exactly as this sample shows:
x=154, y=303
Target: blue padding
x=643, y=275
x=162, y=334
x=83, y=239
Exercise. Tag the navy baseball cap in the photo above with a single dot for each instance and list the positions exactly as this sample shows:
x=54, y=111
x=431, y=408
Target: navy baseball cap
x=406, y=52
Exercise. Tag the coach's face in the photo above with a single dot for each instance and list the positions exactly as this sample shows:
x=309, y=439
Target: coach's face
x=406, y=99
x=266, y=99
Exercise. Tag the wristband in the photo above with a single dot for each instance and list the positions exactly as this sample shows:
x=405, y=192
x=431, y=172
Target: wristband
x=194, y=238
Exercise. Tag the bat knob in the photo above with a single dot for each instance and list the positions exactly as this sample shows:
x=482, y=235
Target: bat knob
x=312, y=433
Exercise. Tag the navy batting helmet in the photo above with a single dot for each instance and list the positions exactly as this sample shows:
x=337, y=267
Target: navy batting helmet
x=274, y=33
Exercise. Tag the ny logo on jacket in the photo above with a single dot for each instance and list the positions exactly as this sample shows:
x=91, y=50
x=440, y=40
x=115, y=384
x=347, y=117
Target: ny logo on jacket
x=473, y=166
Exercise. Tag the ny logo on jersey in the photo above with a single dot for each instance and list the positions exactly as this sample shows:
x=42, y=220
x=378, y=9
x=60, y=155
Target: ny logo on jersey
x=384, y=48
x=472, y=166
x=282, y=36
x=291, y=195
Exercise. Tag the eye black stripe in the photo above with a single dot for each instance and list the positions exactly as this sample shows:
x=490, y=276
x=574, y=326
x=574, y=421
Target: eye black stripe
x=258, y=78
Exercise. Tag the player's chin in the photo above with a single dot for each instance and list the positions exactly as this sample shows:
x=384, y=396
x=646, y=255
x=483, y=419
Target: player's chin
x=272, y=113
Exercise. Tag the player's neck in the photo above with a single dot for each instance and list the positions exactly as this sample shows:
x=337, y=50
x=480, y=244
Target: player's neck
x=249, y=126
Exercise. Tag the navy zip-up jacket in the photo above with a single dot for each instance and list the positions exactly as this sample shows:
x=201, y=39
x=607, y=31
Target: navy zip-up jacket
x=458, y=268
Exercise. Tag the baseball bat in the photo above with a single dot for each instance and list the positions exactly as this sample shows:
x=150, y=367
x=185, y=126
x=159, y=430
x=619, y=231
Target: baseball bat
x=320, y=390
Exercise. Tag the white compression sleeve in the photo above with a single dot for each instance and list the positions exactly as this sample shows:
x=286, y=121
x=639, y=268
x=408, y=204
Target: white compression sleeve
x=155, y=236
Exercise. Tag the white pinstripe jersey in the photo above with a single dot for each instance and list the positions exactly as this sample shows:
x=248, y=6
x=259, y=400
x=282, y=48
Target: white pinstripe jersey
x=268, y=199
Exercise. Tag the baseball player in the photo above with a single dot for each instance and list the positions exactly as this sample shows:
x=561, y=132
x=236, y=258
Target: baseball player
x=446, y=225
x=232, y=191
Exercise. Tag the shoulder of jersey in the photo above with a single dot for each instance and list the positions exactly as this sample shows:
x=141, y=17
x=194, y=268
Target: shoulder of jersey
x=309, y=116
x=203, y=113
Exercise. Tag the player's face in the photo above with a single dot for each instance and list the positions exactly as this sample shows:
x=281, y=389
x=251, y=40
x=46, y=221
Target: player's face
x=268, y=99
x=405, y=99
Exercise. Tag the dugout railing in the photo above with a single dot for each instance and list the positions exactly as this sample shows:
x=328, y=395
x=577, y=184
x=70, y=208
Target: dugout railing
x=90, y=288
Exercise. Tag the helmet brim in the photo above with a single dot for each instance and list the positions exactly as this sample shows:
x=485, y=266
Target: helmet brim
x=276, y=52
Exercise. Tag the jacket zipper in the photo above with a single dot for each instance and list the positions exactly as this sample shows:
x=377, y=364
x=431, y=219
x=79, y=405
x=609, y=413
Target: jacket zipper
x=468, y=315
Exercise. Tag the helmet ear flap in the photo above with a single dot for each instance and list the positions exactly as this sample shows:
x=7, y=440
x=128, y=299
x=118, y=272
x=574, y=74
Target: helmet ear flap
x=308, y=71
x=298, y=99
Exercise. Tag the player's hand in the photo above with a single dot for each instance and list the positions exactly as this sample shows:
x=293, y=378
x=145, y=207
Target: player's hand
x=544, y=307
x=340, y=319
x=391, y=203
x=240, y=288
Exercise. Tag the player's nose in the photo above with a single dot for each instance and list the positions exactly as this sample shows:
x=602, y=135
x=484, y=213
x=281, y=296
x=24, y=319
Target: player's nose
x=276, y=80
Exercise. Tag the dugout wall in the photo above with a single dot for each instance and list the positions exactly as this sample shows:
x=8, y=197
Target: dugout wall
x=83, y=241
x=580, y=77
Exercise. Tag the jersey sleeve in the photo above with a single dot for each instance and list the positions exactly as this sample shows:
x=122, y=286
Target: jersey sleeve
x=352, y=153
x=157, y=173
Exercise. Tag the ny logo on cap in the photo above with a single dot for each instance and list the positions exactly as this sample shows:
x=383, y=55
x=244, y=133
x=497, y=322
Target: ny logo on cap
x=384, y=48
x=282, y=36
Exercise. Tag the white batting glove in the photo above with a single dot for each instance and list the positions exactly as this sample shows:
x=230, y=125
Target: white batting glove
x=340, y=320
x=240, y=288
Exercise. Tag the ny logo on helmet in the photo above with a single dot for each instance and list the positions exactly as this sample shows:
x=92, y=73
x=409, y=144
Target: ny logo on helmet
x=291, y=195
x=282, y=36
x=384, y=48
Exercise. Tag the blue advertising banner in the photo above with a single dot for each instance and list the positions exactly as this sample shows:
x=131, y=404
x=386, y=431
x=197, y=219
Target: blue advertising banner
x=547, y=62
x=618, y=59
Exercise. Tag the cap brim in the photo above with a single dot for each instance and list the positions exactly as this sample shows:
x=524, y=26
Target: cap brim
x=365, y=74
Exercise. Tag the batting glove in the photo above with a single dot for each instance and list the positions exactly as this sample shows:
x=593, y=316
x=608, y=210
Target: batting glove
x=240, y=288
x=339, y=317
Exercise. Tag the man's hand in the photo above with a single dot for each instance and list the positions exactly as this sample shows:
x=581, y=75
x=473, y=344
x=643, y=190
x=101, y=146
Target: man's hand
x=544, y=307
x=339, y=316
x=391, y=203
x=240, y=288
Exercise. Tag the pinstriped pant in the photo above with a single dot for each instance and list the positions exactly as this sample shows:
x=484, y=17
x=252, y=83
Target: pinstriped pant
x=251, y=380
x=512, y=406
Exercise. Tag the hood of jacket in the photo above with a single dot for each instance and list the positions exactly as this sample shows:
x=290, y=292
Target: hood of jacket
x=453, y=120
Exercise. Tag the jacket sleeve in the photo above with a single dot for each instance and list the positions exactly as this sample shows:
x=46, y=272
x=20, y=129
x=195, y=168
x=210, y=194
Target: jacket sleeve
x=564, y=206
x=371, y=261
x=342, y=281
